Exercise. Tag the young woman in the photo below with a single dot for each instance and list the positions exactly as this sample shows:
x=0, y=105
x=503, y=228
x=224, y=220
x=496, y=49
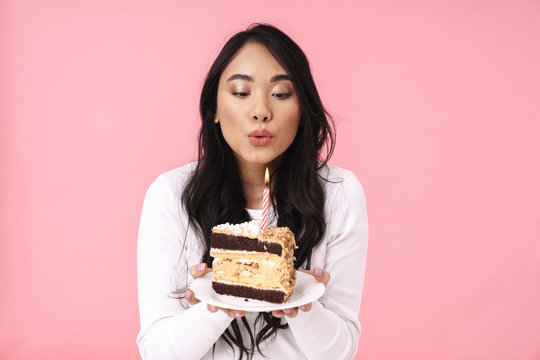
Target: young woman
x=259, y=107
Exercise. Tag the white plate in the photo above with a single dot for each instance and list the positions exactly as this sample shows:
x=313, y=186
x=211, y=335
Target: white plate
x=306, y=290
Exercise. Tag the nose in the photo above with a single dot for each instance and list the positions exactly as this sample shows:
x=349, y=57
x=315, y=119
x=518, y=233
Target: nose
x=261, y=111
x=260, y=116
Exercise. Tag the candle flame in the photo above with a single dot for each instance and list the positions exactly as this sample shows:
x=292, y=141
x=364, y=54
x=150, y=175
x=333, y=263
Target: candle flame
x=266, y=178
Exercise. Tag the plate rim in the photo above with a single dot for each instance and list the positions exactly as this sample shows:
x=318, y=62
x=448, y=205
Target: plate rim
x=317, y=293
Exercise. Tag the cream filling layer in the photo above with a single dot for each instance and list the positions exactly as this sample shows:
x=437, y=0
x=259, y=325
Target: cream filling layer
x=268, y=263
x=255, y=269
x=264, y=274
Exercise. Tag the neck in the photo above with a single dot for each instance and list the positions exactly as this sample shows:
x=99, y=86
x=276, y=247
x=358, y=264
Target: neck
x=252, y=178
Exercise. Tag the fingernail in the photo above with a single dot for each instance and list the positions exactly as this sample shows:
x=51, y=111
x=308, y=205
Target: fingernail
x=278, y=315
x=201, y=267
x=238, y=315
x=318, y=272
x=286, y=311
x=302, y=307
x=213, y=309
x=189, y=294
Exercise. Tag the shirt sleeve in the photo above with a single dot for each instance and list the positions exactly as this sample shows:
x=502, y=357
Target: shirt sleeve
x=333, y=319
x=168, y=329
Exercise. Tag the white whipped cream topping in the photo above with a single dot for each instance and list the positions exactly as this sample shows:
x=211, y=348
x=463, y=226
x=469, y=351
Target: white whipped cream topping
x=251, y=228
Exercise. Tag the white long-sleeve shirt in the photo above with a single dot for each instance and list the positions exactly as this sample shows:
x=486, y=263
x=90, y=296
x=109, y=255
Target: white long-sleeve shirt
x=167, y=247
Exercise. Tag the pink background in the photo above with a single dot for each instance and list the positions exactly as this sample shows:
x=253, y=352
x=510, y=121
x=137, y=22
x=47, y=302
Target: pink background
x=437, y=110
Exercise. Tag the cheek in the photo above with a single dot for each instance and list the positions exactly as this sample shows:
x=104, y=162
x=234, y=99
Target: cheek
x=289, y=129
x=228, y=116
x=292, y=121
x=231, y=128
x=230, y=133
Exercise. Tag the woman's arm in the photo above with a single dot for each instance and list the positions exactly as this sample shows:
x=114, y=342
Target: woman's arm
x=333, y=323
x=168, y=330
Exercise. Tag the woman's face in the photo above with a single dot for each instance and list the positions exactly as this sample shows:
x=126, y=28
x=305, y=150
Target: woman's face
x=257, y=107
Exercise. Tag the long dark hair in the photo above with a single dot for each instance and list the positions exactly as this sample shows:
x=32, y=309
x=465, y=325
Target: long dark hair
x=214, y=193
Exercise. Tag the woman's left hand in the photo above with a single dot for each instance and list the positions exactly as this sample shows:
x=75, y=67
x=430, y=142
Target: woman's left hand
x=321, y=276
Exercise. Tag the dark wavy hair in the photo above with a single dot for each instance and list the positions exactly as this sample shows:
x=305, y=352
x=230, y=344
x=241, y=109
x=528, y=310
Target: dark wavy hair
x=214, y=193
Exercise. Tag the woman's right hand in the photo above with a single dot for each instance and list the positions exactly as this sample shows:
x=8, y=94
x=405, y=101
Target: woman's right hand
x=198, y=271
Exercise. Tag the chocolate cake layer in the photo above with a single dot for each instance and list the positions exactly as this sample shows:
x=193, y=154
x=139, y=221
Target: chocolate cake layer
x=232, y=242
x=274, y=296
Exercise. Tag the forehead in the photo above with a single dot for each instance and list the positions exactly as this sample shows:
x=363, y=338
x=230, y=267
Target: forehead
x=255, y=60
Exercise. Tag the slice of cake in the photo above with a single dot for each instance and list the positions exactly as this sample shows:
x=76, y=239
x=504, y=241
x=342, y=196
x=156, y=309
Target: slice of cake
x=253, y=264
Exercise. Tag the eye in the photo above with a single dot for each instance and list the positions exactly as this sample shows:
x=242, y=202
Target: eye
x=282, y=95
x=240, y=94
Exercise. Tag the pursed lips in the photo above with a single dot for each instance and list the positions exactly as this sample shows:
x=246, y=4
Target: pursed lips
x=260, y=137
x=260, y=133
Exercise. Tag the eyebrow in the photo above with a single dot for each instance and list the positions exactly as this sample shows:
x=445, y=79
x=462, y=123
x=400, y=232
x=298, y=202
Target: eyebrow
x=249, y=78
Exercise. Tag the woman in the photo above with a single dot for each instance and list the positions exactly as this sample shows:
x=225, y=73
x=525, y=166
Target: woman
x=259, y=107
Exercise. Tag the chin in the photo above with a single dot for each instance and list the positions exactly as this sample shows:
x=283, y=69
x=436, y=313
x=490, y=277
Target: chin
x=257, y=159
x=259, y=155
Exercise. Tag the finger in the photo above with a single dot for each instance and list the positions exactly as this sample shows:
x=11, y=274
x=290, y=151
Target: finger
x=190, y=297
x=234, y=313
x=278, y=313
x=230, y=312
x=305, y=307
x=199, y=270
x=321, y=275
x=292, y=312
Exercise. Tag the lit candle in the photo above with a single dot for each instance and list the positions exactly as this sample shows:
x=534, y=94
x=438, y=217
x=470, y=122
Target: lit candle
x=266, y=201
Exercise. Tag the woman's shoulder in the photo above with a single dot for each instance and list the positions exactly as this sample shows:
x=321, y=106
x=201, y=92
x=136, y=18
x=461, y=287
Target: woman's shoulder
x=335, y=176
x=340, y=183
x=179, y=174
x=334, y=173
x=176, y=179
